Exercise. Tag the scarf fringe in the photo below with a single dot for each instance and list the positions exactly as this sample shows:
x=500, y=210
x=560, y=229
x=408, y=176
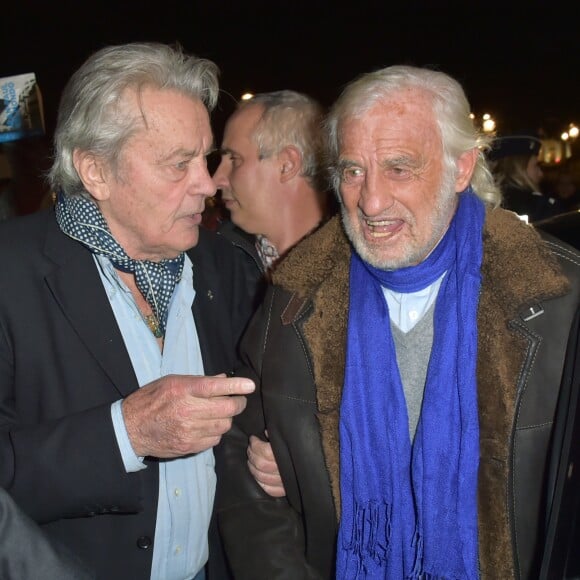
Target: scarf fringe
x=371, y=535
x=417, y=543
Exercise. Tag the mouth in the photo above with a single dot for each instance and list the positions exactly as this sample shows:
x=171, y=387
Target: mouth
x=194, y=218
x=383, y=228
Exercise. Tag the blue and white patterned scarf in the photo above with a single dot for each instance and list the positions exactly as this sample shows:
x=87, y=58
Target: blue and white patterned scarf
x=409, y=511
x=81, y=219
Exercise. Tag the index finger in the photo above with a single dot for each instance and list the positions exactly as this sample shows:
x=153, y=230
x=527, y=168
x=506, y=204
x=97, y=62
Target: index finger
x=221, y=386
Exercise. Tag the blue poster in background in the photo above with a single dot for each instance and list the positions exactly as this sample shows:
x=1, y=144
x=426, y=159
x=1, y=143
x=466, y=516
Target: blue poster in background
x=21, y=113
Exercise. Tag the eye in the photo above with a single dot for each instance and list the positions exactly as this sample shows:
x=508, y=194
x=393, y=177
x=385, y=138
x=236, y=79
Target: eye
x=351, y=174
x=399, y=172
x=235, y=160
x=182, y=165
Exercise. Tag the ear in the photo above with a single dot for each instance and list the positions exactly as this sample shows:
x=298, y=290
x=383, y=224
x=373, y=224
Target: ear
x=91, y=171
x=289, y=162
x=465, y=166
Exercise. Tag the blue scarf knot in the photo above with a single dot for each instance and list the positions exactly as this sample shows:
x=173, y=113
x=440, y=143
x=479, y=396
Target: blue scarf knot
x=409, y=510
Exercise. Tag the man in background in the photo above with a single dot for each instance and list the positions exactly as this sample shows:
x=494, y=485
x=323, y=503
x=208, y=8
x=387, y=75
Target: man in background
x=274, y=186
x=271, y=176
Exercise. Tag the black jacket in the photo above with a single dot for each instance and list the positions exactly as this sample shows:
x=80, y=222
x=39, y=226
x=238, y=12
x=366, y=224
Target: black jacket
x=255, y=273
x=62, y=363
x=533, y=204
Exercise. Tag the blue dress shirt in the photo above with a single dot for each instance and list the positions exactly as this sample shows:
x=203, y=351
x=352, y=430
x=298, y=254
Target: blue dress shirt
x=187, y=484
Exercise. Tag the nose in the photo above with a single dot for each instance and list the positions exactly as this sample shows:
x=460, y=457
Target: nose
x=375, y=195
x=203, y=184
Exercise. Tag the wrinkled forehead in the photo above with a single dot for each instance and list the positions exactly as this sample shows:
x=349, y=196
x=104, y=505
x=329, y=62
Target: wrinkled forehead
x=406, y=115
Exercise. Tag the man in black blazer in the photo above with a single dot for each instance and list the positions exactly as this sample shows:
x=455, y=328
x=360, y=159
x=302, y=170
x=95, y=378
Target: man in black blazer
x=119, y=320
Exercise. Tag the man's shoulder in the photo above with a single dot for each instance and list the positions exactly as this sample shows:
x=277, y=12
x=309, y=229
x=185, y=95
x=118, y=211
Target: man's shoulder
x=235, y=234
x=24, y=226
x=209, y=244
x=215, y=258
x=567, y=256
x=523, y=262
x=243, y=242
x=24, y=236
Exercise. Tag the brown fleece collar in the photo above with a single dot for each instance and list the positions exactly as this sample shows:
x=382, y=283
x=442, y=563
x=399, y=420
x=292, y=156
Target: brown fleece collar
x=514, y=255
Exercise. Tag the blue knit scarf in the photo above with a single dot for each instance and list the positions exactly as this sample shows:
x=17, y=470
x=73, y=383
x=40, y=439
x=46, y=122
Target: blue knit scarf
x=410, y=510
x=81, y=219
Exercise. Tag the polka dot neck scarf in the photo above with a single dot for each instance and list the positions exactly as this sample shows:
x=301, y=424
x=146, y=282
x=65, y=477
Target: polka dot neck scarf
x=81, y=219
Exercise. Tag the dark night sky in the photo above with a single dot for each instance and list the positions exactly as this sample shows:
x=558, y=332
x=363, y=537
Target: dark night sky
x=517, y=60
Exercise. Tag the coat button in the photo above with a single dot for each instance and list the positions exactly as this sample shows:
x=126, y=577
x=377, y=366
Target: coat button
x=144, y=542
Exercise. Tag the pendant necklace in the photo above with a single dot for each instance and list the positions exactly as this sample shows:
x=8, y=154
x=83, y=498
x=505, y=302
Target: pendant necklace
x=152, y=323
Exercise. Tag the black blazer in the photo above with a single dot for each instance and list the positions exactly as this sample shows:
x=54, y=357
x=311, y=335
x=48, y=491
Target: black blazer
x=62, y=363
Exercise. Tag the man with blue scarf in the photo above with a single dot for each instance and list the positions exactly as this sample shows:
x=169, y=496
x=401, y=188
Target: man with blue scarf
x=408, y=361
